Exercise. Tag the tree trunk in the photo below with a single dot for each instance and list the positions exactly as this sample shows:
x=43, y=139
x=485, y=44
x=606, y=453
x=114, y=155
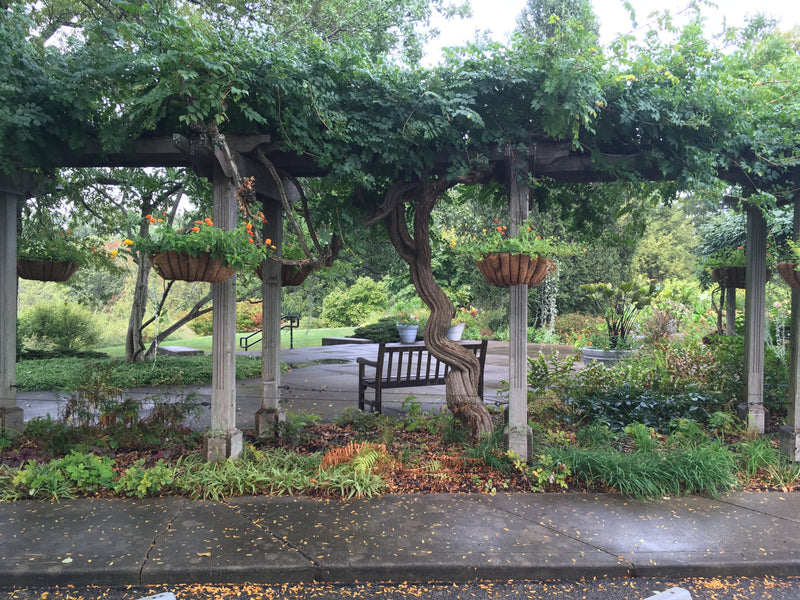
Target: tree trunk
x=134, y=341
x=462, y=380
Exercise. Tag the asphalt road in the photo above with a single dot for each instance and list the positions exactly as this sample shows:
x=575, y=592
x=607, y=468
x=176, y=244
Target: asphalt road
x=619, y=589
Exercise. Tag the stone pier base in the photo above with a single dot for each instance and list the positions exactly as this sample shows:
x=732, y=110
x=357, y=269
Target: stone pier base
x=269, y=420
x=218, y=446
x=789, y=440
x=11, y=418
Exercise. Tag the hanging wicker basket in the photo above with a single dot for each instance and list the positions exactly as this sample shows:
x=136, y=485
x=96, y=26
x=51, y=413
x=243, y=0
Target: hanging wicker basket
x=729, y=277
x=790, y=274
x=179, y=265
x=504, y=270
x=290, y=275
x=45, y=270
x=732, y=277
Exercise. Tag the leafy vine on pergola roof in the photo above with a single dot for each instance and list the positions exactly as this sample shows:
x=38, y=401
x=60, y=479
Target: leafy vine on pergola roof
x=681, y=110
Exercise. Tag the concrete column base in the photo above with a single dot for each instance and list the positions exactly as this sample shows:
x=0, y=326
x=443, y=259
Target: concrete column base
x=218, y=446
x=269, y=420
x=12, y=418
x=756, y=418
x=789, y=442
x=516, y=442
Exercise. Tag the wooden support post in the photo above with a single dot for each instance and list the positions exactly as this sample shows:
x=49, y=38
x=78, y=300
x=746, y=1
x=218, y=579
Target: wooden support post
x=11, y=416
x=223, y=439
x=755, y=318
x=270, y=414
x=730, y=311
x=519, y=434
x=789, y=434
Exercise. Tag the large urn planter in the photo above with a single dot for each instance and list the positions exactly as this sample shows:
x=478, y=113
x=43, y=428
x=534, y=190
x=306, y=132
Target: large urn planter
x=45, y=270
x=504, y=270
x=174, y=265
x=408, y=333
x=604, y=357
x=790, y=274
x=454, y=332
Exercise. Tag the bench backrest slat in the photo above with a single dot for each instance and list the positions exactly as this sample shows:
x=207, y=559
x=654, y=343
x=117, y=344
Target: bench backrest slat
x=415, y=363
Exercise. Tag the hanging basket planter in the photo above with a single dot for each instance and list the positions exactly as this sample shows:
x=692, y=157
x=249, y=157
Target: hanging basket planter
x=45, y=270
x=790, y=274
x=179, y=265
x=729, y=277
x=291, y=275
x=504, y=270
x=732, y=277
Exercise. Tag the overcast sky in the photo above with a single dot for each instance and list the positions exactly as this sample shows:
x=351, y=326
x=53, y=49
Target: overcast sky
x=499, y=16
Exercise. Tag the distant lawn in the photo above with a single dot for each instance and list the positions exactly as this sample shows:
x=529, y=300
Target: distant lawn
x=303, y=338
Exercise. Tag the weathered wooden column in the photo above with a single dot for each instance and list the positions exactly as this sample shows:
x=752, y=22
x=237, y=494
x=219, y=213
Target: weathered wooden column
x=269, y=414
x=755, y=318
x=789, y=434
x=11, y=416
x=730, y=311
x=223, y=439
x=519, y=436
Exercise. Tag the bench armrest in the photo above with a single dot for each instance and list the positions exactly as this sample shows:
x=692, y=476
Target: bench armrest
x=364, y=361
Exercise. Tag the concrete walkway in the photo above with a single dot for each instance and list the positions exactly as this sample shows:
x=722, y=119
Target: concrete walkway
x=394, y=537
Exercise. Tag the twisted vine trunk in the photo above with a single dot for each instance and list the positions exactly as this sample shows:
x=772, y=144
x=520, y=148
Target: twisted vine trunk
x=462, y=380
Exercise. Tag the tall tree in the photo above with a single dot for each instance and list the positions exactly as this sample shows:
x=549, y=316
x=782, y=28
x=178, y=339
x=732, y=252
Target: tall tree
x=541, y=20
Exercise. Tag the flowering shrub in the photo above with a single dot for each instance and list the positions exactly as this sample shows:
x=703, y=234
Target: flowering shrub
x=238, y=248
x=496, y=240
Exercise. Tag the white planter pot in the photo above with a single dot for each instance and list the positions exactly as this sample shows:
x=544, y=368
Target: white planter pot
x=455, y=332
x=604, y=357
x=408, y=333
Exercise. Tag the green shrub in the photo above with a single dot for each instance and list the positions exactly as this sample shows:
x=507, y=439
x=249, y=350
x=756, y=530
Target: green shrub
x=571, y=326
x=248, y=318
x=60, y=325
x=349, y=307
x=87, y=471
x=40, y=480
x=625, y=405
x=385, y=330
x=141, y=481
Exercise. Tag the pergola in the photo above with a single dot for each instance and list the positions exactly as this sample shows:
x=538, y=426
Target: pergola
x=550, y=159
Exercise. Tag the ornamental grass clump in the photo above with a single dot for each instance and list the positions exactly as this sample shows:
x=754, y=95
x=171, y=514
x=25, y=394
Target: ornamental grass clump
x=236, y=248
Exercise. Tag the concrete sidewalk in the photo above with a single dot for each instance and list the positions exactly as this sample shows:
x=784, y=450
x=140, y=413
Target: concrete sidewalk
x=391, y=538
x=396, y=538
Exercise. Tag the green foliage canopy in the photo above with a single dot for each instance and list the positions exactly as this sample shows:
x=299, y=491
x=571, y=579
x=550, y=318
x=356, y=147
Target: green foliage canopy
x=682, y=108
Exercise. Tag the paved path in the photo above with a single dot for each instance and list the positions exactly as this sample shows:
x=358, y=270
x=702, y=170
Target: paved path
x=396, y=538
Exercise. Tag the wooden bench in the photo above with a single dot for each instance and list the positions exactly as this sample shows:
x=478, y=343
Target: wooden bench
x=408, y=365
